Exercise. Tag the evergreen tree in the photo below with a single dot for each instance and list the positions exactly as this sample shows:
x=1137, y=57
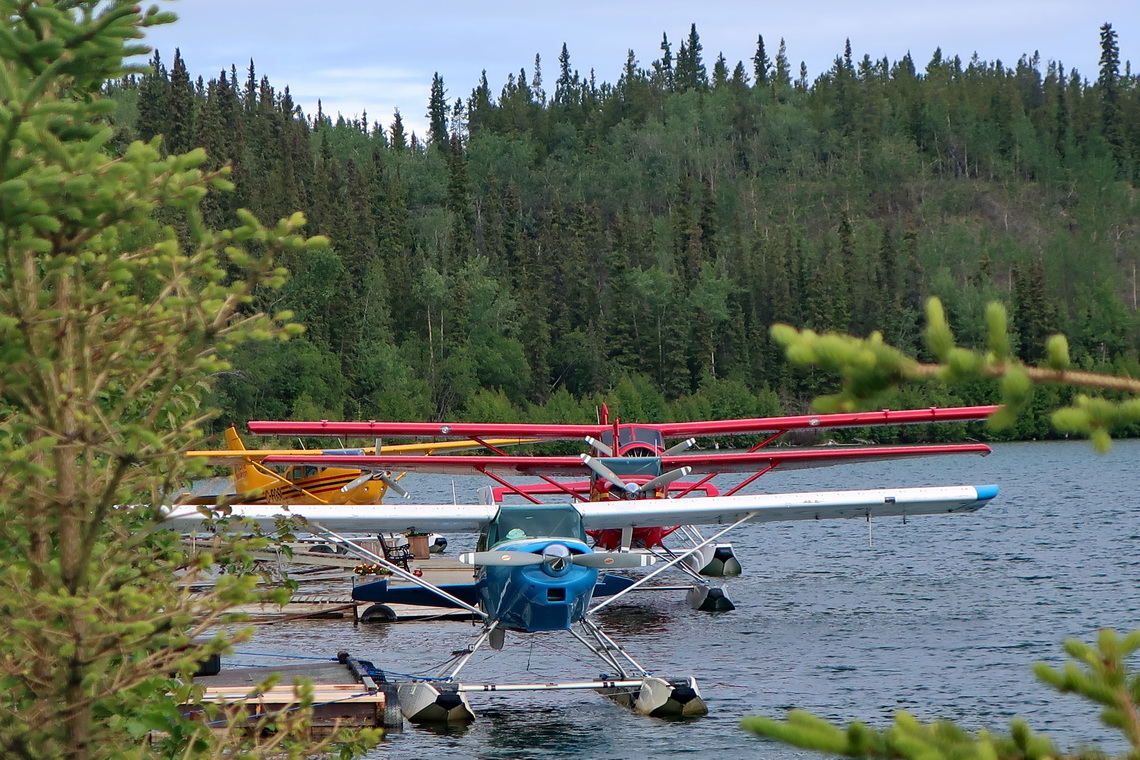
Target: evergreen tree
x=153, y=98
x=180, y=108
x=761, y=65
x=783, y=74
x=1109, y=85
x=396, y=137
x=691, y=73
x=112, y=326
x=438, y=136
x=567, y=89
x=663, y=74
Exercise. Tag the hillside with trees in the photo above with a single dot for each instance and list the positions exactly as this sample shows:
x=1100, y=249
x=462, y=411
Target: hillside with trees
x=548, y=245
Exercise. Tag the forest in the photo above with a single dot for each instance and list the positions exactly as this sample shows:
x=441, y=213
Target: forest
x=542, y=251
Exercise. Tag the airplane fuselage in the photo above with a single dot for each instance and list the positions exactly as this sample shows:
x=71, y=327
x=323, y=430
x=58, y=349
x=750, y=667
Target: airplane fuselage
x=545, y=597
x=308, y=485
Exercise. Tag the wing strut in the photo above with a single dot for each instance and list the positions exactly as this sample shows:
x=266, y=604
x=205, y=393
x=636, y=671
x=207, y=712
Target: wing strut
x=643, y=579
x=396, y=569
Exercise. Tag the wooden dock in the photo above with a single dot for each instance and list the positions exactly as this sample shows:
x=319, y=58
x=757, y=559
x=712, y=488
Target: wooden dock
x=345, y=694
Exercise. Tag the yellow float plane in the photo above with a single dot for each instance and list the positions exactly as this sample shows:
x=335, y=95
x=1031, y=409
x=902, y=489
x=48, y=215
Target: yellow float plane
x=309, y=483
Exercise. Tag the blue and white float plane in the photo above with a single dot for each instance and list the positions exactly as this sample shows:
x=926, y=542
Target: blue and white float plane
x=534, y=571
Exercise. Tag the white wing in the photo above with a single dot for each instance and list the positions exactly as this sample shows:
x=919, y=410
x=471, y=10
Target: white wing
x=392, y=517
x=886, y=502
x=388, y=517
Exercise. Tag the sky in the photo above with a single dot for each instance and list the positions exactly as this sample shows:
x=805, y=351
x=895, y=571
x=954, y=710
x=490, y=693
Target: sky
x=374, y=56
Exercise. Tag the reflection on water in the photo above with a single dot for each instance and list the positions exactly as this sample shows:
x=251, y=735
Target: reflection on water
x=942, y=616
x=635, y=619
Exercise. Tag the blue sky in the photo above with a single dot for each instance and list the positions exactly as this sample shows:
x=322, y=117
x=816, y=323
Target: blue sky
x=361, y=56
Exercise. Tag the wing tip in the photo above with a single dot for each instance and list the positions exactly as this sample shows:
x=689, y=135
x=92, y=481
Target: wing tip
x=985, y=493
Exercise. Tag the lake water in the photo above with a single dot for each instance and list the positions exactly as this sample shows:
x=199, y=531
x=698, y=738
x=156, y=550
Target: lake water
x=941, y=616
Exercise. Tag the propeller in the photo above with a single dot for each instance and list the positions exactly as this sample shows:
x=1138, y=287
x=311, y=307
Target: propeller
x=678, y=448
x=501, y=559
x=600, y=447
x=389, y=481
x=665, y=479
x=600, y=560
x=610, y=476
x=384, y=477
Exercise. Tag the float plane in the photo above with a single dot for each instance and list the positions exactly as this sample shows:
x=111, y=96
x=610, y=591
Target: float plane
x=535, y=571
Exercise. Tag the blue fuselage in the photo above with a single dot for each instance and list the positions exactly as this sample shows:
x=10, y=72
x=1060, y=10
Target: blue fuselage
x=537, y=597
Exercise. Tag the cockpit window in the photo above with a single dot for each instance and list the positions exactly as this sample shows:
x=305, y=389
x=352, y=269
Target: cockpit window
x=635, y=440
x=535, y=521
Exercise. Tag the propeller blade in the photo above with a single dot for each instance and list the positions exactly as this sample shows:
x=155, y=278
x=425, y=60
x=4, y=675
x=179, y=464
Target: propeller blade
x=600, y=447
x=666, y=478
x=501, y=559
x=603, y=560
x=679, y=448
x=394, y=486
x=607, y=474
x=357, y=482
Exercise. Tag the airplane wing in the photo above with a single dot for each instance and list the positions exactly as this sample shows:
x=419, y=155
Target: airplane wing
x=370, y=518
x=783, y=459
x=600, y=515
x=800, y=459
x=447, y=465
x=475, y=430
x=237, y=457
x=809, y=421
x=822, y=505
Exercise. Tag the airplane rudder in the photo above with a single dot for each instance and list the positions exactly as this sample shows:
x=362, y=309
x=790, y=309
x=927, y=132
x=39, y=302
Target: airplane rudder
x=233, y=440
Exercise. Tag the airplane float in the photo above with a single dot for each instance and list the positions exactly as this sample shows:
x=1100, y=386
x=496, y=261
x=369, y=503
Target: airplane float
x=534, y=569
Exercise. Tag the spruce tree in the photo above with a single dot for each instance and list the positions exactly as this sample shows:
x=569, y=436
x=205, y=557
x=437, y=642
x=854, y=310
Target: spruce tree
x=1108, y=83
x=438, y=136
x=761, y=65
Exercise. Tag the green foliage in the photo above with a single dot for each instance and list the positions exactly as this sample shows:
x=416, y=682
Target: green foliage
x=657, y=227
x=869, y=368
x=117, y=301
x=1097, y=673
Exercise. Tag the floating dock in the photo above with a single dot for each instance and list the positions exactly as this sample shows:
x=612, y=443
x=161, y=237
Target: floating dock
x=346, y=693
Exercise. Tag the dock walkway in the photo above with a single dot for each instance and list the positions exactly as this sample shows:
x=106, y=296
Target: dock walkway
x=346, y=693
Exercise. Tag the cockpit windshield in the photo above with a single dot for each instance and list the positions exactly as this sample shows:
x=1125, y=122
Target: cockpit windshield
x=635, y=441
x=535, y=521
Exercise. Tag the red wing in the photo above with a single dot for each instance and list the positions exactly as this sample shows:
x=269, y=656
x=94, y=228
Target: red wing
x=446, y=465
x=808, y=421
x=477, y=430
x=572, y=466
x=380, y=429
x=799, y=459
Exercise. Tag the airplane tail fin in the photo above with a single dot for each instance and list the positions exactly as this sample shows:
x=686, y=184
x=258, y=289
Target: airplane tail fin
x=233, y=440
